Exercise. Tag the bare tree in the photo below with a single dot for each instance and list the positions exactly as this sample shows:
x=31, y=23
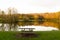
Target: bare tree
x=3, y=20
x=12, y=19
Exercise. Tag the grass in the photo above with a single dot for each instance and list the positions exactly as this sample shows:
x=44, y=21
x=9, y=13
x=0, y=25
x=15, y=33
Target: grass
x=42, y=35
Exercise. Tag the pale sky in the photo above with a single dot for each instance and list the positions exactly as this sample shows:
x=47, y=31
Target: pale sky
x=31, y=6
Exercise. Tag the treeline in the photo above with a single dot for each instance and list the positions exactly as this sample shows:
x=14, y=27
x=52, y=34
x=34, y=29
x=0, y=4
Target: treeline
x=13, y=19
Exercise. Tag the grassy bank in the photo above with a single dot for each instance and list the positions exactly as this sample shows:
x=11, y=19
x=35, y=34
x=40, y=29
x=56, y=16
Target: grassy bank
x=42, y=35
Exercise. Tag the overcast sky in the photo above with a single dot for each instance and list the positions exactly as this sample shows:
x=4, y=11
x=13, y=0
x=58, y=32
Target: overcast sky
x=27, y=6
x=31, y=6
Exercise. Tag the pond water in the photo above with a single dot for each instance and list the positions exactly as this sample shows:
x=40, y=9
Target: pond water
x=37, y=28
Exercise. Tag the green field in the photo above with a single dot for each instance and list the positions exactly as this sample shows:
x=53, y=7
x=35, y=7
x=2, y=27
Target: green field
x=42, y=35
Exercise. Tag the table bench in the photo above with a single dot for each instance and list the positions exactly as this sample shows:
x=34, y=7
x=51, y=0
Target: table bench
x=27, y=29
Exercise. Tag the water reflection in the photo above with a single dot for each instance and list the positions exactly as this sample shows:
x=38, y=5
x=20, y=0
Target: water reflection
x=8, y=27
x=37, y=28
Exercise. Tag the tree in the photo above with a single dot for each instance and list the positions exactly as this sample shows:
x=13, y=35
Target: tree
x=3, y=20
x=12, y=19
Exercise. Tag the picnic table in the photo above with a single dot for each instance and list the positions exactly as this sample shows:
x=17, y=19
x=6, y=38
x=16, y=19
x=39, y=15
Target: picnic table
x=27, y=29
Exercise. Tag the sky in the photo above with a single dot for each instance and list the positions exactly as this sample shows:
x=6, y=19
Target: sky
x=31, y=6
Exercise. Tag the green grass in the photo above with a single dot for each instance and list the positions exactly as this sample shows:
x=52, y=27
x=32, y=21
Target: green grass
x=43, y=35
